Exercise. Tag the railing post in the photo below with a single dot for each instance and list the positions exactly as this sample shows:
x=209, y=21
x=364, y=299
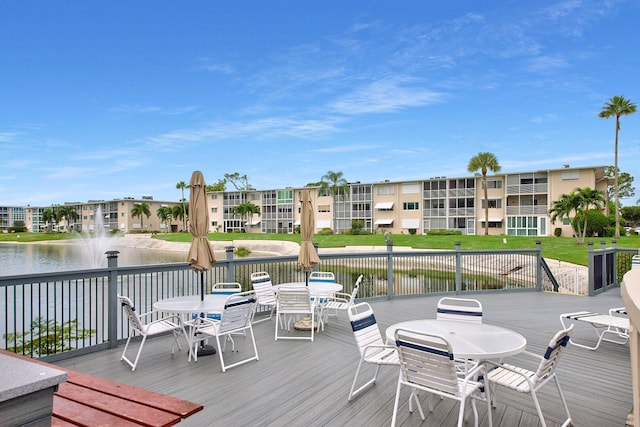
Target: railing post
x=458, y=268
x=112, y=306
x=539, y=266
x=389, y=267
x=231, y=268
x=592, y=268
x=615, y=262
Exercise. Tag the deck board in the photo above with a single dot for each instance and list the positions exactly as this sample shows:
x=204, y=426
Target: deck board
x=298, y=383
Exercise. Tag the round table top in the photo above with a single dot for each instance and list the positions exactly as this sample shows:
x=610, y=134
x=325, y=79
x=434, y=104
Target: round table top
x=315, y=288
x=468, y=340
x=212, y=303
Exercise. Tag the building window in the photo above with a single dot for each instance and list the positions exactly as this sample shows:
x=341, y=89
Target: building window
x=494, y=204
x=493, y=183
x=214, y=196
x=324, y=208
x=411, y=206
x=410, y=188
x=570, y=175
x=386, y=189
x=285, y=197
x=214, y=209
x=522, y=225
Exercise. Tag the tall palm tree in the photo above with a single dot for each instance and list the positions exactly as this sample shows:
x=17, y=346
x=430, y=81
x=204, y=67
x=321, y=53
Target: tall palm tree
x=484, y=161
x=140, y=209
x=181, y=186
x=617, y=106
x=335, y=183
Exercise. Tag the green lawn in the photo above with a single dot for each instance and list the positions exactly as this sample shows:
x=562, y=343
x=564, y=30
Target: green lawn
x=564, y=249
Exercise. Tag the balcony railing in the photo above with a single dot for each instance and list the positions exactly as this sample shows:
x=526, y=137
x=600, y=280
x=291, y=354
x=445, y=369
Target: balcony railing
x=61, y=314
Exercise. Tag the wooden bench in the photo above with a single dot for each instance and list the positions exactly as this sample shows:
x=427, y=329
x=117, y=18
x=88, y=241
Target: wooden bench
x=617, y=326
x=86, y=400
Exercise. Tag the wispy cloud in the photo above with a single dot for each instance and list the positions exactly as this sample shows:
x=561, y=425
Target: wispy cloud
x=346, y=148
x=546, y=63
x=212, y=65
x=388, y=95
x=9, y=136
x=149, y=109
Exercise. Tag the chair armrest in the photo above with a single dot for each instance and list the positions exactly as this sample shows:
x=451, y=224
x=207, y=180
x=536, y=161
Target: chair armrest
x=377, y=346
x=340, y=296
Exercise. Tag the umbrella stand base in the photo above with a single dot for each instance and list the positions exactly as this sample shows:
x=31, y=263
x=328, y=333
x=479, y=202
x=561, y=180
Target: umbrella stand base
x=304, y=325
x=206, y=350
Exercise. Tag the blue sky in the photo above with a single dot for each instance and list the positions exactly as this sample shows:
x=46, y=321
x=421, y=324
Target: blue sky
x=113, y=99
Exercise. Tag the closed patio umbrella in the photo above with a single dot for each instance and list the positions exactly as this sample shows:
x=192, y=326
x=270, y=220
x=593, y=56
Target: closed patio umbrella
x=307, y=258
x=201, y=256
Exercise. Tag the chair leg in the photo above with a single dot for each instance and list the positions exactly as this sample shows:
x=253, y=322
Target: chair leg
x=135, y=362
x=538, y=408
x=568, y=421
x=353, y=392
x=397, y=401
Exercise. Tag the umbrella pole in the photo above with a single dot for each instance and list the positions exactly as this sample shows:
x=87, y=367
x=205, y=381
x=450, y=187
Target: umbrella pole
x=306, y=278
x=204, y=350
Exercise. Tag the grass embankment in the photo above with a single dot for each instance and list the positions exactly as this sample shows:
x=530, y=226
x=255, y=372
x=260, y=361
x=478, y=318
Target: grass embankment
x=560, y=248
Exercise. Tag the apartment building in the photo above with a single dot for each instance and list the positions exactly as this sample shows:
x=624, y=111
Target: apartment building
x=101, y=215
x=518, y=204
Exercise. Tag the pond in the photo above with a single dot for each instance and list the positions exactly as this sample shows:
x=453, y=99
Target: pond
x=25, y=258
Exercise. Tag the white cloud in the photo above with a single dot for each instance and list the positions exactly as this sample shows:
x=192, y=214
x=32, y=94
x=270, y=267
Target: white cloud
x=386, y=95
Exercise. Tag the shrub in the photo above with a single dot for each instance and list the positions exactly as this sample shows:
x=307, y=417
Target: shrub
x=47, y=337
x=444, y=232
x=412, y=231
x=242, y=251
x=557, y=232
x=325, y=232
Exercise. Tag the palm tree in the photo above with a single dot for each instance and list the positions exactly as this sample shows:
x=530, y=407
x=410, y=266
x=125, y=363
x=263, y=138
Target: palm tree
x=484, y=161
x=586, y=199
x=562, y=209
x=336, y=185
x=246, y=211
x=140, y=209
x=67, y=213
x=179, y=212
x=164, y=213
x=48, y=217
x=617, y=106
x=181, y=186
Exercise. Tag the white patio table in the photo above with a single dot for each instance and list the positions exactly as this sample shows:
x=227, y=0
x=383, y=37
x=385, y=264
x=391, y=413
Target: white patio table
x=477, y=341
x=193, y=304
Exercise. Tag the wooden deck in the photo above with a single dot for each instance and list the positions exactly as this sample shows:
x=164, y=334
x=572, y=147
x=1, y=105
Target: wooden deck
x=301, y=383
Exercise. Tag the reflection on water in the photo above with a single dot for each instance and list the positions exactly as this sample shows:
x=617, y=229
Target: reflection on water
x=43, y=258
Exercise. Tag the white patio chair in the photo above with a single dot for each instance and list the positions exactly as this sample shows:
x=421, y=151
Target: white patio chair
x=427, y=363
x=461, y=309
x=143, y=324
x=236, y=318
x=322, y=276
x=335, y=302
x=224, y=288
x=292, y=303
x=261, y=282
x=528, y=381
x=372, y=348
